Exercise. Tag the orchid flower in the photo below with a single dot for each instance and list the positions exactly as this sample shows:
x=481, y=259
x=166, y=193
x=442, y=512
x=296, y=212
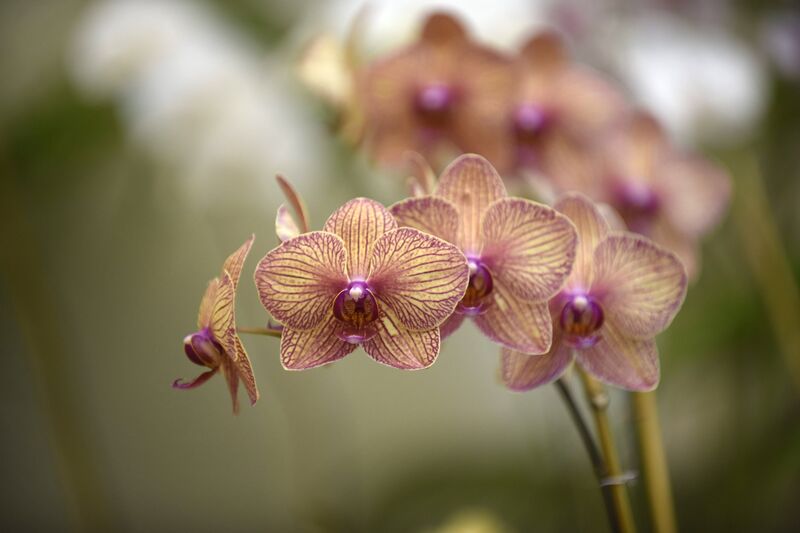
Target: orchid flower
x=670, y=196
x=216, y=345
x=361, y=282
x=555, y=100
x=519, y=252
x=443, y=92
x=622, y=291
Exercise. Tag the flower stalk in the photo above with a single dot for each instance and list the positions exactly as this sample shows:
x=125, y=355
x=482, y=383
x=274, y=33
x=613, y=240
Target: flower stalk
x=598, y=399
x=599, y=466
x=654, y=463
x=260, y=331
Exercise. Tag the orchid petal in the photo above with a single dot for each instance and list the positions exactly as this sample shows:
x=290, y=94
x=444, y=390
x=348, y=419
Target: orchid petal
x=587, y=102
x=471, y=184
x=421, y=175
x=515, y=323
x=545, y=50
x=622, y=361
x=638, y=146
x=196, y=382
x=222, y=313
x=295, y=201
x=591, y=228
x=421, y=277
x=430, y=214
x=450, y=325
x=298, y=280
x=441, y=28
x=398, y=347
x=233, y=264
x=207, y=304
x=232, y=380
x=245, y=370
x=529, y=247
x=642, y=284
x=696, y=194
x=285, y=226
x=301, y=350
x=523, y=372
x=360, y=222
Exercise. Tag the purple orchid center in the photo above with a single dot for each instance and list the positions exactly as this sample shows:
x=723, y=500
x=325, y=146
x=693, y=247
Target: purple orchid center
x=433, y=104
x=356, y=309
x=530, y=121
x=479, y=287
x=581, y=318
x=637, y=204
x=202, y=348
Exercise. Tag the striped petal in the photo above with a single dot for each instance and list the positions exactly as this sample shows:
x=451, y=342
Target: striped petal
x=622, y=361
x=430, y=214
x=222, y=314
x=642, y=284
x=298, y=281
x=244, y=369
x=207, y=304
x=523, y=372
x=360, y=222
x=233, y=264
x=232, y=380
x=529, y=247
x=398, y=347
x=301, y=350
x=515, y=323
x=471, y=184
x=420, y=277
x=591, y=228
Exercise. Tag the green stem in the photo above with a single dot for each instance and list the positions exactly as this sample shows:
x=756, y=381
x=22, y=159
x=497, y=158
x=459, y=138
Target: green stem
x=597, y=397
x=599, y=466
x=654, y=463
x=260, y=331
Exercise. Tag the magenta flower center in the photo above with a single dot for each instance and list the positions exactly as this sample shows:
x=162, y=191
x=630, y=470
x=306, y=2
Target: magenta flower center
x=580, y=321
x=530, y=121
x=479, y=287
x=203, y=349
x=356, y=309
x=637, y=204
x=433, y=104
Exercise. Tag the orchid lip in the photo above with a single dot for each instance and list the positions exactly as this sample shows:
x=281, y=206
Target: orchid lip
x=356, y=308
x=581, y=319
x=480, y=285
x=433, y=103
x=202, y=349
x=356, y=336
x=531, y=119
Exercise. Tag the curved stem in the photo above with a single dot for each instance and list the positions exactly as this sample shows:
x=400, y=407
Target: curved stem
x=598, y=400
x=596, y=459
x=260, y=331
x=654, y=463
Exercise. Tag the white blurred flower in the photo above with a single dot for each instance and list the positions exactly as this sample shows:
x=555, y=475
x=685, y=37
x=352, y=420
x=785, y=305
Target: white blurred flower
x=704, y=84
x=195, y=95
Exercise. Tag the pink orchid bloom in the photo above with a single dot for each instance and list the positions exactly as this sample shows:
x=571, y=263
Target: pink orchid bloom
x=361, y=281
x=668, y=195
x=622, y=292
x=441, y=93
x=216, y=345
x=519, y=252
x=554, y=101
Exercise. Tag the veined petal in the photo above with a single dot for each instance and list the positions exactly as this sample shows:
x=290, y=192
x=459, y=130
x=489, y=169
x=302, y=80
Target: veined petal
x=360, y=222
x=622, y=361
x=450, y=325
x=528, y=247
x=301, y=350
x=471, y=184
x=233, y=264
x=285, y=226
x=398, y=347
x=232, y=380
x=591, y=228
x=515, y=323
x=298, y=280
x=222, y=313
x=430, y=214
x=642, y=284
x=523, y=372
x=207, y=304
x=245, y=370
x=421, y=277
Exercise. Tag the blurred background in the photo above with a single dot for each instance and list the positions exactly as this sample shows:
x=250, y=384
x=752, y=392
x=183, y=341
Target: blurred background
x=138, y=144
